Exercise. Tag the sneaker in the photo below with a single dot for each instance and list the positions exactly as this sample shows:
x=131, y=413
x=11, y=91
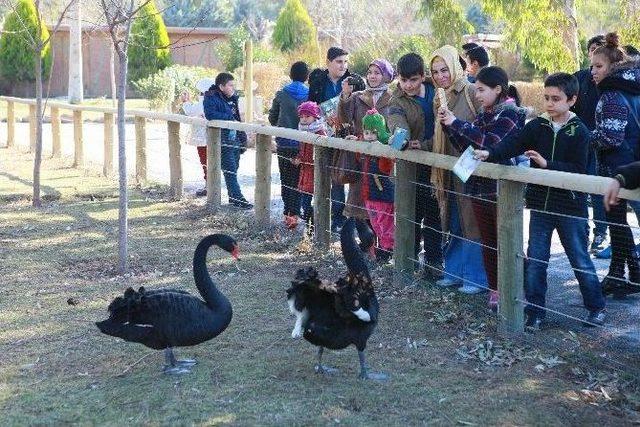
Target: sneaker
x=599, y=243
x=595, y=318
x=241, y=204
x=533, y=322
x=470, y=289
x=447, y=283
x=383, y=256
x=605, y=253
x=493, y=300
x=201, y=193
x=291, y=222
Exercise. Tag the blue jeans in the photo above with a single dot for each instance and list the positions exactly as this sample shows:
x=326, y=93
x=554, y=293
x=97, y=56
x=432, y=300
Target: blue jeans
x=337, y=205
x=574, y=239
x=600, y=227
x=307, y=207
x=230, y=161
x=463, y=259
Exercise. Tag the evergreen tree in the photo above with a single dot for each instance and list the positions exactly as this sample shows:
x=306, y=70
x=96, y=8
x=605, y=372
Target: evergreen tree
x=448, y=22
x=294, y=29
x=149, y=46
x=17, y=56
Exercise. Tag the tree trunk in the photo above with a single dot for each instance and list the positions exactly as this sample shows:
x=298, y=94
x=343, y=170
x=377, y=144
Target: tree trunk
x=76, y=93
x=38, y=154
x=122, y=165
x=570, y=36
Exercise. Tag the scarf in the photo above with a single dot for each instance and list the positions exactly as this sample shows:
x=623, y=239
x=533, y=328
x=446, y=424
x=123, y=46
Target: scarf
x=377, y=92
x=314, y=127
x=439, y=177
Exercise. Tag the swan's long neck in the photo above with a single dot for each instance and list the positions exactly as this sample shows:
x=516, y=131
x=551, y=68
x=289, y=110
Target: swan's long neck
x=351, y=251
x=207, y=288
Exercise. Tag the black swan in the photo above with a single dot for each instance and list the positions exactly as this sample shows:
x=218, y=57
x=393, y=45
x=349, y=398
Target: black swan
x=337, y=315
x=165, y=318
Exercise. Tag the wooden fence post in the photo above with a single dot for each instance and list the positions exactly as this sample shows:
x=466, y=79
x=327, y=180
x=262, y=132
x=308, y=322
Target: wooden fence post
x=510, y=257
x=56, y=148
x=107, y=166
x=175, y=162
x=11, y=124
x=32, y=128
x=405, y=209
x=262, y=199
x=78, y=152
x=141, y=149
x=214, y=169
x=321, y=197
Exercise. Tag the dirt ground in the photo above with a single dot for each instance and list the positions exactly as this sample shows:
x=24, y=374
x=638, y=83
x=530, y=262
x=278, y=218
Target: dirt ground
x=447, y=364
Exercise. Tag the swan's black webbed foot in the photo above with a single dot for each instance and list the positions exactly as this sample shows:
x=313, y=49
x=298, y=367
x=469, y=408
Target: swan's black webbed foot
x=364, y=370
x=186, y=363
x=322, y=369
x=174, y=366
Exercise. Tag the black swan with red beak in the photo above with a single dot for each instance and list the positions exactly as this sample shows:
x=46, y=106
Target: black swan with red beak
x=165, y=318
x=335, y=315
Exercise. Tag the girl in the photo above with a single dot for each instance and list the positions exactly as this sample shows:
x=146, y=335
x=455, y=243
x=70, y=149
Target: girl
x=615, y=140
x=501, y=117
x=463, y=256
x=352, y=109
x=377, y=187
x=310, y=121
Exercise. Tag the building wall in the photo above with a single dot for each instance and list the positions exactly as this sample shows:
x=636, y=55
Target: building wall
x=189, y=47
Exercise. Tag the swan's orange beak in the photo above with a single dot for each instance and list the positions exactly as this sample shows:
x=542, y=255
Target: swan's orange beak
x=235, y=253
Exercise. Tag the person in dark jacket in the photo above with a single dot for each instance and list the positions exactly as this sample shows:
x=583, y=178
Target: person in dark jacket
x=284, y=113
x=221, y=103
x=325, y=84
x=557, y=140
x=616, y=141
x=585, y=109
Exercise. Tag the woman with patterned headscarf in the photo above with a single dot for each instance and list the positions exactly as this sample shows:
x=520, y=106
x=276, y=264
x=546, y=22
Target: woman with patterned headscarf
x=463, y=257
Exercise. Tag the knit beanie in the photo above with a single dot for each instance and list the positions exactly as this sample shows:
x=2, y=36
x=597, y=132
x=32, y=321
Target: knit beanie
x=309, y=108
x=374, y=122
x=385, y=68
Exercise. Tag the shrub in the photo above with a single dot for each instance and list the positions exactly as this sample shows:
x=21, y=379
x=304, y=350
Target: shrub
x=419, y=44
x=149, y=47
x=270, y=78
x=231, y=53
x=163, y=87
x=294, y=28
x=532, y=95
x=360, y=59
x=17, y=56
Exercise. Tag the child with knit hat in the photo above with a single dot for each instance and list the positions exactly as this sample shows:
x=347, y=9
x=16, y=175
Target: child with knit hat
x=377, y=186
x=310, y=121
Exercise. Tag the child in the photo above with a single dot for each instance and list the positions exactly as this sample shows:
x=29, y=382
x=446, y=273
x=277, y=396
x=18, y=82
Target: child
x=556, y=140
x=501, y=117
x=411, y=108
x=377, y=187
x=198, y=135
x=310, y=121
x=221, y=103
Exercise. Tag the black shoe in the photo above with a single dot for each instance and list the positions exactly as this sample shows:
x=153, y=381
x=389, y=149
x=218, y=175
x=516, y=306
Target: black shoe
x=433, y=271
x=201, y=193
x=241, y=204
x=614, y=280
x=595, y=318
x=533, y=323
x=383, y=256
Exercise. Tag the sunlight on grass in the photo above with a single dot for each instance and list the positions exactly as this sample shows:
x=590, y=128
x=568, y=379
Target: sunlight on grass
x=220, y=420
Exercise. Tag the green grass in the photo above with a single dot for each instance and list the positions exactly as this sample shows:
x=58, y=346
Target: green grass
x=57, y=368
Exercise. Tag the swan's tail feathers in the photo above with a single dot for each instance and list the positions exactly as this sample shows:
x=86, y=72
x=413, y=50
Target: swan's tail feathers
x=351, y=252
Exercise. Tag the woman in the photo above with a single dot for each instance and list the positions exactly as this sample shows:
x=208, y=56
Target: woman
x=463, y=257
x=352, y=108
x=284, y=113
x=616, y=142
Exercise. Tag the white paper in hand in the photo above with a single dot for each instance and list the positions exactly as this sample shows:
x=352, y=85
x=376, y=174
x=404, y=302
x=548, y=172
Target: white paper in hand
x=466, y=164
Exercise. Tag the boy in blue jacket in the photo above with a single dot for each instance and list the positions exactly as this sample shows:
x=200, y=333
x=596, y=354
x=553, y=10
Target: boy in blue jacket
x=221, y=103
x=556, y=140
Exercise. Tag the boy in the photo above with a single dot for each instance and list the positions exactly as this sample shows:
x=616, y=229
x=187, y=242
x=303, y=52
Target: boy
x=411, y=108
x=476, y=58
x=221, y=103
x=556, y=140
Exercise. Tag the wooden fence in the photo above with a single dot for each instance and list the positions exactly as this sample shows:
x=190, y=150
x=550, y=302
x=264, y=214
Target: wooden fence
x=511, y=183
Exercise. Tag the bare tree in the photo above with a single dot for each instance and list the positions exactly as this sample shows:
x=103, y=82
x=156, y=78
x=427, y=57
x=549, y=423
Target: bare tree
x=38, y=44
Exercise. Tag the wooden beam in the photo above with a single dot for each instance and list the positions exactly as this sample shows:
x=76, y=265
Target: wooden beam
x=262, y=200
x=32, y=128
x=175, y=161
x=141, y=150
x=321, y=197
x=11, y=124
x=510, y=257
x=107, y=165
x=214, y=169
x=56, y=147
x=405, y=209
x=78, y=152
